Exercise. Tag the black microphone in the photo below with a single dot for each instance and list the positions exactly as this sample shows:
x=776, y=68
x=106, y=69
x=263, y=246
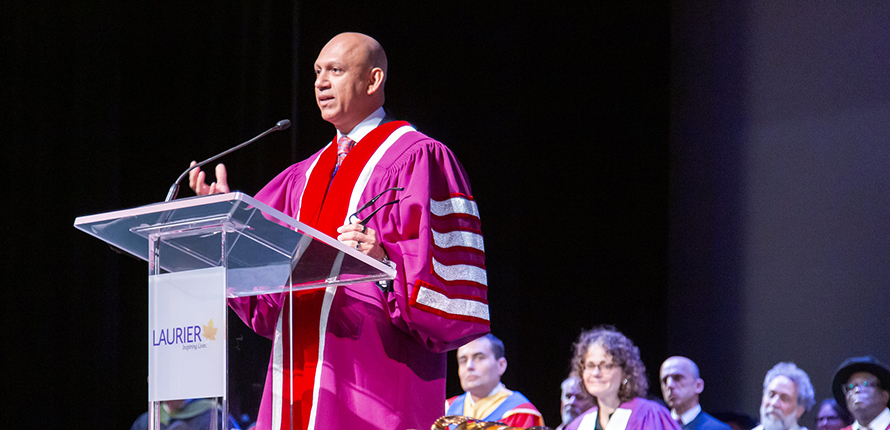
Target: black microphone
x=174, y=189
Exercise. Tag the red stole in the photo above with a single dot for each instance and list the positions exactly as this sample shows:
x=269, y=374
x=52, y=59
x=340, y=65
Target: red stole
x=324, y=206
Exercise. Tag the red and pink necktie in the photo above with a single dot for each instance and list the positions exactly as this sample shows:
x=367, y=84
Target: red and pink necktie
x=344, y=145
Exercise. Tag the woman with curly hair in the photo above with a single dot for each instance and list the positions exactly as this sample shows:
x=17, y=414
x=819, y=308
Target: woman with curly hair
x=610, y=366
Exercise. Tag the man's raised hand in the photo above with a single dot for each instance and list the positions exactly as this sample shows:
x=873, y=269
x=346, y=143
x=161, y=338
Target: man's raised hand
x=198, y=181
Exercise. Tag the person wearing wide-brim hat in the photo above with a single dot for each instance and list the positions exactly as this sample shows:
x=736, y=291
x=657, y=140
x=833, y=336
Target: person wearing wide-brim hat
x=860, y=385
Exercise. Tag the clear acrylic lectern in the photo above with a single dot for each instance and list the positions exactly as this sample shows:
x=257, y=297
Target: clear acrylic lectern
x=201, y=251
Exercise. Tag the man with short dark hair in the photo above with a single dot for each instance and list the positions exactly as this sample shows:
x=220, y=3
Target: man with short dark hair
x=681, y=385
x=787, y=394
x=860, y=384
x=832, y=416
x=481, y=363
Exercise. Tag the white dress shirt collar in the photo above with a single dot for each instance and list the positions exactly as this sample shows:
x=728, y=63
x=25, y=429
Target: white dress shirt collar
x=472, y=402
x=881, y=422
x=687, y=416
x=363, y=128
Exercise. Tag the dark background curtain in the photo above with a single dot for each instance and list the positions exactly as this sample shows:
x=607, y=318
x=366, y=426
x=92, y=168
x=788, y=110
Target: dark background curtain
x=661, y=167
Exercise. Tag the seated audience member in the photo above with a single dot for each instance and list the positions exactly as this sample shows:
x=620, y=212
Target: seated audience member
x=681, y=385
x=615, y=376
x=481, y=363
x=860, y=384
x=189, y=414
x=831, y=416
x=787, y=394
x=574, y=400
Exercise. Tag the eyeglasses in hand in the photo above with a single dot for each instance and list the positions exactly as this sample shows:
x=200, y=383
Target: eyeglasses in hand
x=364, y=221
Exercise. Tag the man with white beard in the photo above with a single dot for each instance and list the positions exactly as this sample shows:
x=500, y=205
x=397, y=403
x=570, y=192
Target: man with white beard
x=787, y=394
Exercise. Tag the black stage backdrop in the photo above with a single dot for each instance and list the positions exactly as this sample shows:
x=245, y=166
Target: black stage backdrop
x=608, y=191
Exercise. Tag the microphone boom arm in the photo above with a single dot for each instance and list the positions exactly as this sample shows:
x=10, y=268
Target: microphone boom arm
x=174, y=189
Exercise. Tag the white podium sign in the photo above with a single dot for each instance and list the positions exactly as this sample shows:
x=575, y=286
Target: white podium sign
x=186, y=329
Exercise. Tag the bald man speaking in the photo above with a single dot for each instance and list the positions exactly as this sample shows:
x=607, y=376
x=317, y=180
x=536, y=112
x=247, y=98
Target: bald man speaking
x=369, y=355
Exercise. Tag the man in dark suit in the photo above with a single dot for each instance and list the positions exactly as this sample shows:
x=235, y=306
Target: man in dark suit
x=681, y=386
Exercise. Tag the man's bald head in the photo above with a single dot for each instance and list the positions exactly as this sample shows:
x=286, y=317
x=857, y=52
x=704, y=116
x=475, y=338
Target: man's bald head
x=350, y=77
x=682, y=362
x=680, y=383
x=364, y=45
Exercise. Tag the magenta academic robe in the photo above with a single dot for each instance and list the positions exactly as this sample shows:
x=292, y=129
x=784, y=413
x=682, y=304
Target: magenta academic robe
x=637, y=414
x=365, y=358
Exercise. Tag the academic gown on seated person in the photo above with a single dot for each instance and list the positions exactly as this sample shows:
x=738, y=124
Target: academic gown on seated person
x=364, y=357
x=515, y=410
x=637, y=414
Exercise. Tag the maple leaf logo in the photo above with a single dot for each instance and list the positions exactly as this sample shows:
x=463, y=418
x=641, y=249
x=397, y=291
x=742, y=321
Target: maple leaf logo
x=209, y=331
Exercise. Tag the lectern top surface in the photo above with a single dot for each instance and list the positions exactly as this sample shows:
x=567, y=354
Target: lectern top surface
x=262, y=249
